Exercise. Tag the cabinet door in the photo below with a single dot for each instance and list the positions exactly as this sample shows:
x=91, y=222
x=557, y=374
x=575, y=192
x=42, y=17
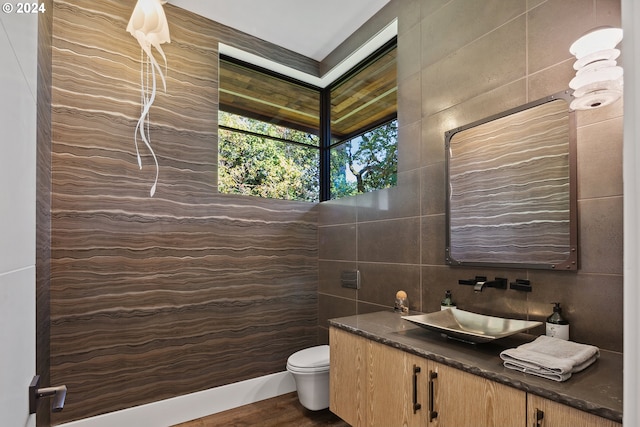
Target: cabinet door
x=543, y=412
x=418, y=370
x=462, y=399
x=397, y=387
x=348, y=376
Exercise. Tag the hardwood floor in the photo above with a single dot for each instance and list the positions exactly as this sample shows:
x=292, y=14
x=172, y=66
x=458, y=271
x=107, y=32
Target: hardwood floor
x=279, y=411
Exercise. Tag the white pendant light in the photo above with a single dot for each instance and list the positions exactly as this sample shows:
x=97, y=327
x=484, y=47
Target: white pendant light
x=598, y=80
x=148, y=24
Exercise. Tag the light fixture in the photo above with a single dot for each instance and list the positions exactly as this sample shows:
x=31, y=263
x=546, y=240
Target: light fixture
x=148, y=24
x=598, y=80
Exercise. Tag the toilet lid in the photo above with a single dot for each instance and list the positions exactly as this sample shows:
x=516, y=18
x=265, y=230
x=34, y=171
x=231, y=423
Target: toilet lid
x=312, y=357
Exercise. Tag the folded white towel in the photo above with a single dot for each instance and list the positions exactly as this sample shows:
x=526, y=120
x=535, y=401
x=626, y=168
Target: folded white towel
x=534, y=370
x=550, y=357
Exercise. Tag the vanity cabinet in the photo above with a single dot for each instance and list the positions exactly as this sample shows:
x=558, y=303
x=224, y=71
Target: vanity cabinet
x=377, y=385
x=348, y=376
x=375, y=365
x=543, y=412
x=463, y=399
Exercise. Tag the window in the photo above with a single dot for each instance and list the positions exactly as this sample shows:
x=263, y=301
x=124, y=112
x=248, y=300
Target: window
x=262, y=159
x=268, y=135
x=270, y=144
x=364, y=128
x=365, y=163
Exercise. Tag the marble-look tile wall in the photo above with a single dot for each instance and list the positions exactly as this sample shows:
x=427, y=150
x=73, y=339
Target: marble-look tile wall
x=151, y=298
x=460, y=61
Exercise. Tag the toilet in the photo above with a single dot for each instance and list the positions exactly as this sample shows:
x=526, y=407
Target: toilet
x=310, y=370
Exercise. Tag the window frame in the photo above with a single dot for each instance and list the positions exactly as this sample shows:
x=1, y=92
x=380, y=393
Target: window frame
x=325, y=116
x=324, y=132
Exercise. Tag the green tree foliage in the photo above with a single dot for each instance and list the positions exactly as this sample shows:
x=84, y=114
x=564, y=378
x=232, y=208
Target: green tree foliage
x=256, y=165
x=366, y=163
x=252, y=162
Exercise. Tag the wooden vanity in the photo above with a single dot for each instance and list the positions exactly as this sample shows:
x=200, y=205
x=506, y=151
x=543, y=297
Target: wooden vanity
x=387, y=372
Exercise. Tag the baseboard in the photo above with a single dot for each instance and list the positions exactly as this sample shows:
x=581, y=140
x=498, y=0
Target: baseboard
x=165, y=413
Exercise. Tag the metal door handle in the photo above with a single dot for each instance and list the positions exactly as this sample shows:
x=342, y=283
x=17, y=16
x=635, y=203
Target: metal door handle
x=58, y=393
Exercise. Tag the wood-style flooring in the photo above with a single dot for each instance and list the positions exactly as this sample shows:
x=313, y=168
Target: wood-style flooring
x=279, y=411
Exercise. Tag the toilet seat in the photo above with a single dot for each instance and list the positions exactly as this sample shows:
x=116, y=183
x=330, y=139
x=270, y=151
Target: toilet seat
x=309, y=360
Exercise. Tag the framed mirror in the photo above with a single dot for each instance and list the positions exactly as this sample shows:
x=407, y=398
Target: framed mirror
x=511, y=188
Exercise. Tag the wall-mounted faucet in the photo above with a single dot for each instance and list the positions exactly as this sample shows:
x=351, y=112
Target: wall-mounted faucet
x=480, y=282
x=498, y=282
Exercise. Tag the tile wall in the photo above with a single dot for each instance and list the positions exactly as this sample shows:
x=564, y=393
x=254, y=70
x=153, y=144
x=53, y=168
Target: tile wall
x=460, y=61
x=152, y=298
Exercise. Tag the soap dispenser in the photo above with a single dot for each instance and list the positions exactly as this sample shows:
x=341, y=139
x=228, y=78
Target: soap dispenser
x=557, y=326
x=447, y=301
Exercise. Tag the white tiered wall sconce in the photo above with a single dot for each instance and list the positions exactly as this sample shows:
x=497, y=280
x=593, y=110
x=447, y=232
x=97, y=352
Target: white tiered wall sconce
x=148, y=24
x=598, y=80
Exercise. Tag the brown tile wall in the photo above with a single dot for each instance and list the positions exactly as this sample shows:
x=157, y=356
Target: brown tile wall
x=151, y=298
x=460, y=61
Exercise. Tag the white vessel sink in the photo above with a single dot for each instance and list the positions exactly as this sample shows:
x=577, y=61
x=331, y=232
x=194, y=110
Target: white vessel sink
x=471, y=327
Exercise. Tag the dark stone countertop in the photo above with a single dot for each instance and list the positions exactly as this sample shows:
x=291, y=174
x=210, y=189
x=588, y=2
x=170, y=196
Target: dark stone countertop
x=597, y=390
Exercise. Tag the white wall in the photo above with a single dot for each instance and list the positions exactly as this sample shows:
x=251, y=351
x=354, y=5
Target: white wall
x=631, y=63
x=18, y=75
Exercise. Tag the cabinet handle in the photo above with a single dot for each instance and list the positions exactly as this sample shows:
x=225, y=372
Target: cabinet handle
x=432, y=414
x=539, y=418
x=416, y=405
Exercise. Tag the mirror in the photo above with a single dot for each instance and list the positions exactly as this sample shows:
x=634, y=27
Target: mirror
x=511, y=193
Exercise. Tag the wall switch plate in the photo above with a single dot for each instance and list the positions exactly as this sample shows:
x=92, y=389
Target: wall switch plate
x=350, y=279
